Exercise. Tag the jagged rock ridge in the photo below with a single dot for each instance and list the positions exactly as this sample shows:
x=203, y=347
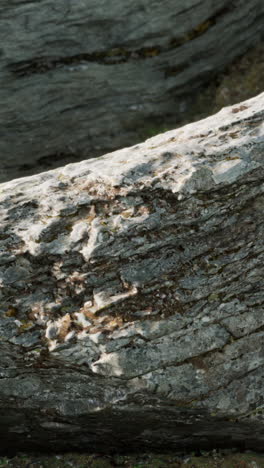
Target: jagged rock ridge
x=131, y=294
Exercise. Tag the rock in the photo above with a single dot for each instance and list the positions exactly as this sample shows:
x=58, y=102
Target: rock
x=131, y=293
x=80, y=79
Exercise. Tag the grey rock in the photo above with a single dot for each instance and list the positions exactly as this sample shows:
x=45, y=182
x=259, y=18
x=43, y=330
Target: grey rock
x=132, y=295
x=79, y=79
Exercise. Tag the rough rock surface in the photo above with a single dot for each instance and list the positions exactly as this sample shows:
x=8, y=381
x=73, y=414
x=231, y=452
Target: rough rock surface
x=131, y=300
x=79, y=79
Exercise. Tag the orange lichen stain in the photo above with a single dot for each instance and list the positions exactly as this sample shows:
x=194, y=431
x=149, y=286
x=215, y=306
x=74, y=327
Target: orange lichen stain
x=25, y=326
x=11, y=312
x=239, y=109
x=92, y=214
x=127, y=214
x=65, y=323
x=115, y=322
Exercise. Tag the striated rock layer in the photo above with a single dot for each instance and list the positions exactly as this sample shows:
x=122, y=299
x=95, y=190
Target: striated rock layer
x=131, y=299
x=79, y=79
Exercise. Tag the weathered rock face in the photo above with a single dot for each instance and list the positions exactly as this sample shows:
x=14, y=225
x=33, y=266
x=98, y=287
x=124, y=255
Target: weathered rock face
x=132, y=294
x=79, y=79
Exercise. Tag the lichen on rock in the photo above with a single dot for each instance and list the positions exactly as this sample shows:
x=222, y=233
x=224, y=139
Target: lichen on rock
x=133, y=283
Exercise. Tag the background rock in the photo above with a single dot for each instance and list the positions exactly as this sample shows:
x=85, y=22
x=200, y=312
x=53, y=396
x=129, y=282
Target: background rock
x=79, y=78
x=131, y=295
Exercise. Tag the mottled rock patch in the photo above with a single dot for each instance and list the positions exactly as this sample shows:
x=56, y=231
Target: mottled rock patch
x=131, y=293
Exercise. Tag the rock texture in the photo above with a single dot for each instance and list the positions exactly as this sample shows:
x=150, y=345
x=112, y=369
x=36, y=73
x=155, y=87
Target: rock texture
x=79, y=79
x=131, y=312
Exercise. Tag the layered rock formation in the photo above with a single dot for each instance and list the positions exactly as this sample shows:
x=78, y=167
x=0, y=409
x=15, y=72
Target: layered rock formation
x=79, y=79
x=131, y=312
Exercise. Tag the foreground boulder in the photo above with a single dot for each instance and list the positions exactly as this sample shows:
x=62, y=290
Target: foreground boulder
x=79, y=79
x=131, y=307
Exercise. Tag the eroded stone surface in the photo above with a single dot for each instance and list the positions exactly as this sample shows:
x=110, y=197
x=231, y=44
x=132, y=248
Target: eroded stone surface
x=133, y=284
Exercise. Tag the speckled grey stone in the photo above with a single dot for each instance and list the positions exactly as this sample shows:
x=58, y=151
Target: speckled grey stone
x=131, y=294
